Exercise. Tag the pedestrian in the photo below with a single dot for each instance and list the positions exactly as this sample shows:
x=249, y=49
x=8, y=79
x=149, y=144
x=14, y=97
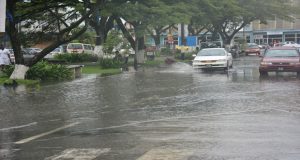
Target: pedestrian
x=126, y=58
x=4, y=57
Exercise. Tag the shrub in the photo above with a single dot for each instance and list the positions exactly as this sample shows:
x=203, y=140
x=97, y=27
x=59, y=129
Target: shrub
x=110, y=63
x=77, y=57
x=166, y=51
x=45, y=71
x=8, y=70
x=187, y=55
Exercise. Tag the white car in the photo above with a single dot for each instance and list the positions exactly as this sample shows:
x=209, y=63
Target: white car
x=53, y=53
x=213, y=58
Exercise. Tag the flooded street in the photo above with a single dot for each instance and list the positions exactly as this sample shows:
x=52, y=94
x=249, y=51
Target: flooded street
x=167, y=113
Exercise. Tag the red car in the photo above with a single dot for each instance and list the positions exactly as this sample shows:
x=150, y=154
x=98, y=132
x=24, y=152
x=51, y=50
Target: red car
x=252, y=49
x=280, y=59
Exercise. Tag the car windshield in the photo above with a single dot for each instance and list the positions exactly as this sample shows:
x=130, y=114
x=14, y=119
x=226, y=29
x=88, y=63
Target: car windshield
x=211, y=52
x=75, y=46
x=253, y=46
x=282, y=53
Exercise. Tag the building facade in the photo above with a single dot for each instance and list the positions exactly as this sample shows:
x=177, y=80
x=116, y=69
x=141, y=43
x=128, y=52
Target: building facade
x=276, y=30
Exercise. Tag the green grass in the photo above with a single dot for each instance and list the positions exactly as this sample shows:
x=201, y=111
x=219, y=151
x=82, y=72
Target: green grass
x=154, y=62
x=98, y=70
x=6, y=80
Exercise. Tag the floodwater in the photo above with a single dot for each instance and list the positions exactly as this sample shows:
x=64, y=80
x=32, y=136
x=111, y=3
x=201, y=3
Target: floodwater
x=167, y=113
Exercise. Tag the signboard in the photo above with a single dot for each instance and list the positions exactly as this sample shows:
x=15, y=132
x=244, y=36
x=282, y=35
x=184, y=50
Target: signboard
x=258, y=36
x=2, y=15
x=170, y=38
x=274, y=33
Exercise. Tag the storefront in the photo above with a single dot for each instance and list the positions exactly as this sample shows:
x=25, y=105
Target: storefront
x=269, y=37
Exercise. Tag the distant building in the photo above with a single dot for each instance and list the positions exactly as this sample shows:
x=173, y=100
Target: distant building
x=276, y=30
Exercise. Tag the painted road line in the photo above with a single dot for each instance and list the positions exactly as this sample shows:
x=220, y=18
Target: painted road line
x=166, y=154
x=46, y=133
x=79, y=154
x=18, y=127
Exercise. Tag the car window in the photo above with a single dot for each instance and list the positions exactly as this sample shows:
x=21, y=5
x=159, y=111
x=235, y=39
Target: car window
x=87, y=47
x=281, y=53
x=211, y=52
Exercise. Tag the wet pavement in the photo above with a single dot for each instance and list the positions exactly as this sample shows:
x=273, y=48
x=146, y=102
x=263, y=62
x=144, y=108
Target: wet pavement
x=166, y=113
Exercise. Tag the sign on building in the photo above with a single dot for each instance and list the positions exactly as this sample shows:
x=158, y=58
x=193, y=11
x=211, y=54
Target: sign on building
x=258, y=36
x=2, y=15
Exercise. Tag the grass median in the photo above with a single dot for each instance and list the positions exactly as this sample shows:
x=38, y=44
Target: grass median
x=96, y=69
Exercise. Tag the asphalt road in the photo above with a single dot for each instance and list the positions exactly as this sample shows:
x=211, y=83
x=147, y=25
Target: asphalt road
x=166, y=113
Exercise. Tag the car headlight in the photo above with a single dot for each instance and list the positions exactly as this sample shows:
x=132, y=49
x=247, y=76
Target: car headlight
x=265, y=63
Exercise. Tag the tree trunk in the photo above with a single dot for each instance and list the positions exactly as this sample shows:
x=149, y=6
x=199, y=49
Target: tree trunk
x=157, y=40
x=141, y=50
x=19, y=72
x=99, y=43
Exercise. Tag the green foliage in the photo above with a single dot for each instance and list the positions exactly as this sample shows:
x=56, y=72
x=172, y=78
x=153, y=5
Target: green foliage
x=7, y=81
x=77, y=57
x=187, y=56
x=45, y=71
x=166, y=51
x=87, y=38
x=153, y=63
x=110, y=63
x=114, y=39
x=8, y=70
x=98, y=70
x=45, y=22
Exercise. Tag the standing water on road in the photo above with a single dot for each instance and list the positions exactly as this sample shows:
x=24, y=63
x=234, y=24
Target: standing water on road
x=173, y=112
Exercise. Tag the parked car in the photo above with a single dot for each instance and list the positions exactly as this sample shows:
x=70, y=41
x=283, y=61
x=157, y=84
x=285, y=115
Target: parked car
x=212, y=58
x=280, y=59
x=56, y=51
x=28, y=53
x=263, y=46
x=33, y=51
x=289, y=42
x=252, y=49
x=80, y=48
x=279, y=44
